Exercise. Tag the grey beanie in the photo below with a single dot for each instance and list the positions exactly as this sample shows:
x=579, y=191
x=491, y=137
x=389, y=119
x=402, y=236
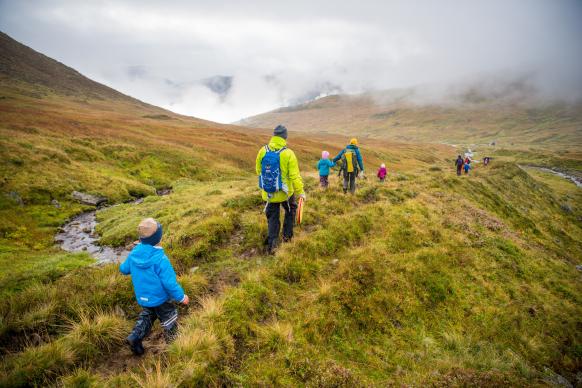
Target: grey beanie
x=280, y=131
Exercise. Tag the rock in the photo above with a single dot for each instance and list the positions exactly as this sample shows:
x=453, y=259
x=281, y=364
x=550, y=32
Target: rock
x=164, y=191
x=88, y=199
x=579, y=267
x=87, y=230
x=335, y=261
x=556, y=380
x=194, y=269
x=13, y=195
x=566, y=208
x=56, y=203
x=36, y=339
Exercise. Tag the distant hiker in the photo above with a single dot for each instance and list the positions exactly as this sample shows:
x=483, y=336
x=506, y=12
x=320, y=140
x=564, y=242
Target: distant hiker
x=459, y=163
x=351, y=165
x=155, y=285
x=279, y=181
x=467, y=167
x=486, y=160
x=324, y=165
x=382, y=172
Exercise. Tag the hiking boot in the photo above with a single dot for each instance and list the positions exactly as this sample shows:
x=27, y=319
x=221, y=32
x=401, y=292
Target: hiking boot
x=135, y=345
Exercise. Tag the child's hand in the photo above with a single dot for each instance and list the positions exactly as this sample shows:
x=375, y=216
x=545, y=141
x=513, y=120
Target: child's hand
x=186, y=300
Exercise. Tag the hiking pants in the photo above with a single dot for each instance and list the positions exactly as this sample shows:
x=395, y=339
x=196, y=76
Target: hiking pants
x=166, y=313
x=323, y=181
x=273, y=218
x=459, y=168
x=350, y=182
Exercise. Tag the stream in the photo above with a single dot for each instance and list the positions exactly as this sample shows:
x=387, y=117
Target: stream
x=79, y=235
x=577, y=181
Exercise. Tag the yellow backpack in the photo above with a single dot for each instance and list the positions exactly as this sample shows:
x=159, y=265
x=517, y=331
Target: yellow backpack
x=349, y=161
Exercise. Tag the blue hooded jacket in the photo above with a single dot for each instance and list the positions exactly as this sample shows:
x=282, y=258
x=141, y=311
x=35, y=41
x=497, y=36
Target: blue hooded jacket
x=324, y=165
x=153, y=277
x=358, y=155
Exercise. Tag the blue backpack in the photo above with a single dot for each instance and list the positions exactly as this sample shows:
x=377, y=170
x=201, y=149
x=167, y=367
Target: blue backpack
x=270, y=179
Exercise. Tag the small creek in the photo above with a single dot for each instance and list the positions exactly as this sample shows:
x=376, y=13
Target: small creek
x=577, y=181
x=79, y=235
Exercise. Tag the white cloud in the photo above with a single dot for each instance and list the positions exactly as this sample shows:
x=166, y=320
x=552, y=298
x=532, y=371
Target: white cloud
x=279, y=52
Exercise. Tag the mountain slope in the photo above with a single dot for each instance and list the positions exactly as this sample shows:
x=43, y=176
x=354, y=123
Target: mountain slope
x=21, y=64
x=467, y=118
x=427, y=279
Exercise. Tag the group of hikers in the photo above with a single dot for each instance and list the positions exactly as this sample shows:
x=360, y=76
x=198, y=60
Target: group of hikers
x=153, y=277
x=465, y=164
x=280, y=181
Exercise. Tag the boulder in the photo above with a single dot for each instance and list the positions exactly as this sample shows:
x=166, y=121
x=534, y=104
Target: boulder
x=88, y=199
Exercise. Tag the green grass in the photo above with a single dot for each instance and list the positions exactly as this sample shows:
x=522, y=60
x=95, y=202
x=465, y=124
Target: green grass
x=22, y=269
x=426, y=279
x=423, y=281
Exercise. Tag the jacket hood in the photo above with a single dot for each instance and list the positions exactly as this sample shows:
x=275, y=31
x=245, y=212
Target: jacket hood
x=144, y=255
x=277, y=143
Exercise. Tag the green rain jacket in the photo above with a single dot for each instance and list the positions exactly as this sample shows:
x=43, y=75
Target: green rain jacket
x=289, y=170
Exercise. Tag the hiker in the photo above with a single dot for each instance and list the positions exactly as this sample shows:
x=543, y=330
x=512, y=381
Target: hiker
x=486, y=160
x=467, y=167
x=351, y=165
x=459, y=163
x=155, y=285
x=279, y=181
x=382, y=172
x=323, y=166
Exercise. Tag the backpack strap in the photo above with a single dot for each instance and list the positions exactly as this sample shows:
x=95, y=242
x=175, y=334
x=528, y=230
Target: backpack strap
x=277, y=151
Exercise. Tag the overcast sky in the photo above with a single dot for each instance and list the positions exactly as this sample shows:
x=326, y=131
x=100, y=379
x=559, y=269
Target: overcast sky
x=225, y=60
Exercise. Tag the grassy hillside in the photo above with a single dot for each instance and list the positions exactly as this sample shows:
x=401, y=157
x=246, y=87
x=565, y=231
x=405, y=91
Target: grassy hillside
x=470, y=118
x=428, y=279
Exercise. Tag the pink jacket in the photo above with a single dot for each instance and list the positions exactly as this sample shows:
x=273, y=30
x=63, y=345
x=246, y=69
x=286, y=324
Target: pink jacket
x=382, y=172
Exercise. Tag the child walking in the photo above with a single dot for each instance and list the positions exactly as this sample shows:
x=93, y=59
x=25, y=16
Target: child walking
x=324, y=165
x=382, y=172
x=155, y=285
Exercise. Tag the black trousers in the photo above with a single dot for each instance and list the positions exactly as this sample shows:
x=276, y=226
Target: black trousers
x=166, y=313
x=273, y=214
x=350, y=181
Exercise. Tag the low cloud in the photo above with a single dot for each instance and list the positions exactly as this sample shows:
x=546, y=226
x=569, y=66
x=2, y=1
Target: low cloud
x=223, y=60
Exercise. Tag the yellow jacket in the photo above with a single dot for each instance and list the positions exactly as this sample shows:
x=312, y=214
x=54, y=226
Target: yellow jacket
x=289, y=170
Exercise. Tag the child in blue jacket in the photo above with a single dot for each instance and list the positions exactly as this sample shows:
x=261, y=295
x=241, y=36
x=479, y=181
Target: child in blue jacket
x=323, y=166
x=155, y=285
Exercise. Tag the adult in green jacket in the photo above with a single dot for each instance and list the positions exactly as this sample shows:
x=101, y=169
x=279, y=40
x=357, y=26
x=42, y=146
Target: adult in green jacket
x=292, y=183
